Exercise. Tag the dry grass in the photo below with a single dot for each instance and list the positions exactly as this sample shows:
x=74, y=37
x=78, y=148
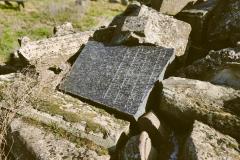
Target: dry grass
x=28, y=88
x=14, y=96
x=5, y=118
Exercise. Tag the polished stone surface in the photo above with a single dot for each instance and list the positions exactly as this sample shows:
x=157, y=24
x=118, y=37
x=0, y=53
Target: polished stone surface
x=118, y=77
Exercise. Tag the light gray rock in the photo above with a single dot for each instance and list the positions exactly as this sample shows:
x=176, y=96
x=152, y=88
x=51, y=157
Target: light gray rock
x=219, y=67
x=143, y=25
x=105, y=34
x=7, y=77
x=35, y=142
x=63, y=29
x=170, y=7
x=78, y=118
x=23, y=40
x=52, y=77
x=152, y=125
x=54, y=51
x=186, y=100
x=224, y=26
x=160, y=134
x=207, y=143
x=139, y=148
x=133, y=9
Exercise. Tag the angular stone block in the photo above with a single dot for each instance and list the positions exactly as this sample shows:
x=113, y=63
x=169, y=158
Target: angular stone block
x=118, y=77
x=170, y=7
x=152, y=125
x=198, y=16
x=30, y=141
x=78, y=118
x=206, y=143
x=186, y=100
x=133, y=9
x=144, y=25
x=54, y=51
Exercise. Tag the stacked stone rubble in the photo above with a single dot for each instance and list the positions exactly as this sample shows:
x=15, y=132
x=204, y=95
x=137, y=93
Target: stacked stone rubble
x=124, y=69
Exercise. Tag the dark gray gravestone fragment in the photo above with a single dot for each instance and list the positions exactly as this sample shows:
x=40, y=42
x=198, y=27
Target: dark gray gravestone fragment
x=118, y=77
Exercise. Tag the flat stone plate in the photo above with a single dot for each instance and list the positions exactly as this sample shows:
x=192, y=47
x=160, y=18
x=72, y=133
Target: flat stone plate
x=118, y=77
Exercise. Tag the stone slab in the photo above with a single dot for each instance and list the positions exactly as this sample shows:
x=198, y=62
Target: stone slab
x=79, y=119
x=54, y=51
x=186, y=100
x=30, y=141
x=118, y=77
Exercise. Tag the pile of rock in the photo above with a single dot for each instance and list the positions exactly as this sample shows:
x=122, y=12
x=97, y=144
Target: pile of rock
x=215, y=25
x=125, y=69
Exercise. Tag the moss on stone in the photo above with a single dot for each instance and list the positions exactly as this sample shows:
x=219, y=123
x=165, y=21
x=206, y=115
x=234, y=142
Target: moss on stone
x=94, y=127
x=54, y=108
x=59, y=132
